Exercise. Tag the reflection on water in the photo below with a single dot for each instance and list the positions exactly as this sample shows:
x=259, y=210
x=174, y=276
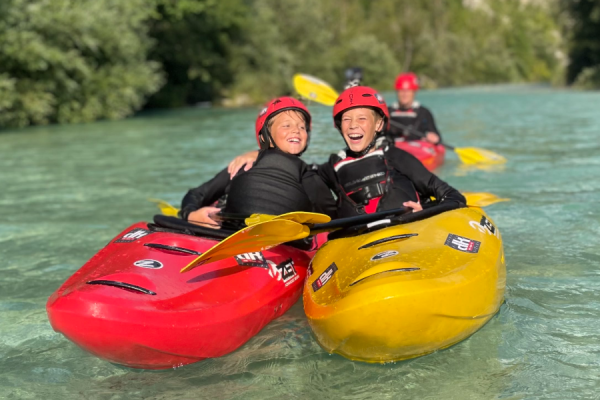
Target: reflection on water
x=66, y=190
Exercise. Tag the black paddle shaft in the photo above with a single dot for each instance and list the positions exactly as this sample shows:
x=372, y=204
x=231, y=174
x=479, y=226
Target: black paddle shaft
x=358, y=220
x=416, y=132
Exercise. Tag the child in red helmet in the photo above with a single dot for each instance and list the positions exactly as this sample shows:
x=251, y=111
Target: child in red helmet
x=280, y=181
x=369, y=175
x=410, y=113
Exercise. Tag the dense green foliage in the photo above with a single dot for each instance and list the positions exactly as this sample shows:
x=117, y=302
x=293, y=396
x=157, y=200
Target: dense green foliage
x=81, y=60
x=193, y=42
x=73, y=60
x=584, y=27
x=445, y=42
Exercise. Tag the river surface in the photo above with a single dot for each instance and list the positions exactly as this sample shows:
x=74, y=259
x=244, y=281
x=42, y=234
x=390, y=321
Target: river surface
x=67, y=190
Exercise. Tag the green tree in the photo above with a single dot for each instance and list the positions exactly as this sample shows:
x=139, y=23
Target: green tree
x=193, y=44
x=73, y=60
x=584, y=28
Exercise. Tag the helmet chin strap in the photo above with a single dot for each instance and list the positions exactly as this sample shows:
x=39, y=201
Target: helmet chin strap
x=358, y=154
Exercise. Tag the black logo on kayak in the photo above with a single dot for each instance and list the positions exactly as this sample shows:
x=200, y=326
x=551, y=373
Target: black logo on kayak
x=385, y=254
x=487, y=224
x=133, y=235
x=325, y=277
x=462, y=244
x=255, y=259
x=152, y=264
x=287, y=271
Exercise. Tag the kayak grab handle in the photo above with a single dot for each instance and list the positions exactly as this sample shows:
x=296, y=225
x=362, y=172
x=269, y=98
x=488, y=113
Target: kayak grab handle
x=172, y=248
x=122, y=285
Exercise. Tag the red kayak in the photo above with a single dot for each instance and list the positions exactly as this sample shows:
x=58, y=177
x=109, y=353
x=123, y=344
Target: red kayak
x=130, y=305
x=431, y=155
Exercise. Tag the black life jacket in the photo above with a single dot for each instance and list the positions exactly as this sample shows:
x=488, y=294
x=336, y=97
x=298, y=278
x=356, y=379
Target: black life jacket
x=272, y=186
x=409, y=117
x=368, y=184
x=364, y=178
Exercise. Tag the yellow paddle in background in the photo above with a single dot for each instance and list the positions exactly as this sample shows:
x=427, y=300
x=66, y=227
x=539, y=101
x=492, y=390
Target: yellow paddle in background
x=320, y=92
x=312, y=88
x=165, y=208
x=482, y=199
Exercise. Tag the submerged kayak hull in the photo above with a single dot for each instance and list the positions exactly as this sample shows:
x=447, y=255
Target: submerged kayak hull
x=407, y=290
x=431, y=155
x=130, y=304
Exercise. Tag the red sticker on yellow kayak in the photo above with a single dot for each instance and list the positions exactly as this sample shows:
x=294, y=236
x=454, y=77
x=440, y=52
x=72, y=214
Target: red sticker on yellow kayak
x=325, y=277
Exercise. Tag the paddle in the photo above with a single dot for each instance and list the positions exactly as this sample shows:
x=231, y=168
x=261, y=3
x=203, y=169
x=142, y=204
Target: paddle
x=319, y=91
x=474, y=199
x=288, y=227
x=468, y=155
x=261, y=236
x=278, y=230
x=315, y=89
x=166, y=208
x=482, y=199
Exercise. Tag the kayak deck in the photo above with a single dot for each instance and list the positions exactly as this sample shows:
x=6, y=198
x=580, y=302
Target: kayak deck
x=129, y=304
x=406, y=290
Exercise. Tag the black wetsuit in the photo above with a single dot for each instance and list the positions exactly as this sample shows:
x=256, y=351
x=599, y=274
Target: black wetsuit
x=416, y=117
x=277, y=183
x=383, y=180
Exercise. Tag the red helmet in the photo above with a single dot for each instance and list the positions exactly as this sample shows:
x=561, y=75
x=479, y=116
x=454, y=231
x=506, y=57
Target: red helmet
x=359, y=96
x=407, y=81
x=275, y=107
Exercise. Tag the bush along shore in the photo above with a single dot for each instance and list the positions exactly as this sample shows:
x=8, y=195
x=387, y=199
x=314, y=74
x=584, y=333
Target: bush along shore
x=65, y=61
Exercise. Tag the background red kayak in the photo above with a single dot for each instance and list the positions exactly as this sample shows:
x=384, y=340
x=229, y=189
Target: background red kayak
x=431, y=155
x=129, y=304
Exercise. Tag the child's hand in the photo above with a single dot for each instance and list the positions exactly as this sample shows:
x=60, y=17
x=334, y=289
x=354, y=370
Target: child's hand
x=245, y=160
x=432, y=137
x=202, y=217
x=414, y=205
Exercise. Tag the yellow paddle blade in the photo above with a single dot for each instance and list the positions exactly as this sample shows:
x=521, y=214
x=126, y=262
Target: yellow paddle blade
x=475, y=155
x=482, y=199
x=261, y=236
x=258, y=218
x=165, y=208
x=315, y=89
x=299, y=217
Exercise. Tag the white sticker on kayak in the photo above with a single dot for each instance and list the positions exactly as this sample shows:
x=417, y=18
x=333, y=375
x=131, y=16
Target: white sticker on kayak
x=133, y=235
x=385, y=254
x=324, y=277
x=152, y=264
x=254, y=259
x=484, y=226
x=285, y=271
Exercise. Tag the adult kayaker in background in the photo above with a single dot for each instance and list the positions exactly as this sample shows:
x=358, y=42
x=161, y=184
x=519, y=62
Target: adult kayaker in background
x=370, y=175
x=280, y=181
x=410, y=113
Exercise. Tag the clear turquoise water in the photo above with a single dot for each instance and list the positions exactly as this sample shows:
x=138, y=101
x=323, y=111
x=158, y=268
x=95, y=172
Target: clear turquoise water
x=67, y=190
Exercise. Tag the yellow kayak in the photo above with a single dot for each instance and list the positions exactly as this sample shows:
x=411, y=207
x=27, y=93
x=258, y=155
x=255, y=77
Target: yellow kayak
x=406, y=290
